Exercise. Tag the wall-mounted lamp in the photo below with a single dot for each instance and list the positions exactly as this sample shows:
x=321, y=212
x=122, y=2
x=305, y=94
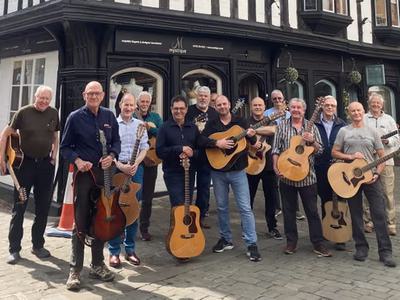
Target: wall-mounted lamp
x=272, y=2
x=363, y=21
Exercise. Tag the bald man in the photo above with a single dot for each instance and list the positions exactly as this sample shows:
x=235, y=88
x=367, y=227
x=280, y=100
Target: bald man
x=267, y=175
x=80, y=146
x=357, y=140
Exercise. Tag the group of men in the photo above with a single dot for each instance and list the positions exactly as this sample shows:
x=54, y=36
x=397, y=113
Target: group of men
x=187, y=135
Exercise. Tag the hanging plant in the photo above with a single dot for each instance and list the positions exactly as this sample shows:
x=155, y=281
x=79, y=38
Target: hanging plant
x=355, y=77
x=346, y=102
x=291, y=74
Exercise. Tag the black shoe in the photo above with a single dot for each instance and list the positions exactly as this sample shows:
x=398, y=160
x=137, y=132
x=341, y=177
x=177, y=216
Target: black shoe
x=13, y=258
x=41, y=253
x=361, y=255
x=252, y=253
x=222, y=245
x=340, y=246
x=388, y=261
x=275, y=234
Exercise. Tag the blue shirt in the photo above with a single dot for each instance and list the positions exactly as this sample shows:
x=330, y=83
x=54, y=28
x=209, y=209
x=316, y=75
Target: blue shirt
x=128, y=135
x=81, y=136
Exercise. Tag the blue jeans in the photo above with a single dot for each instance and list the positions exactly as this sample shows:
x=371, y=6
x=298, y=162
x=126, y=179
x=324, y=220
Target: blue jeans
x=175, y=182
x=238, y=181
x=203, y=181
x=114, y=246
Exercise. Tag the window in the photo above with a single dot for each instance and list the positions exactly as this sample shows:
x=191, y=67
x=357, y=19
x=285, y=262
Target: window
x=335, y=6
x=394, y=7
x=310, y=4
x=28, y=74
x=292, y=90
x=324, y=88
x=380, y=13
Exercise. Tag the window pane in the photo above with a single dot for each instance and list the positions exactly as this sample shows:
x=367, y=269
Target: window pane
x=17, y=72
x=310, y=4
x=28, y=71
x=39, y=70
x=395, y=12
x=380, y=13
x=328, y=5
x=341, y=7
x=26, y=95
x=15, y=98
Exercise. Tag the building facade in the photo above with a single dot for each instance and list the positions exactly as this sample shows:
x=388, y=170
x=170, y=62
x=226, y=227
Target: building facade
x=240, y=48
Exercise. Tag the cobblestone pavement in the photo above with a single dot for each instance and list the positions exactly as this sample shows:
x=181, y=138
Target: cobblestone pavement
x=227, y=275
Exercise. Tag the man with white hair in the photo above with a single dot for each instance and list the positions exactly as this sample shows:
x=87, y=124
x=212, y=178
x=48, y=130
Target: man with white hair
x=384, y=123
x=38, y=126
x=201, y=113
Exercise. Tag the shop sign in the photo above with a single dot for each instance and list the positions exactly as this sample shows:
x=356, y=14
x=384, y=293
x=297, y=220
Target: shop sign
x=375, y=74
x=130, y=41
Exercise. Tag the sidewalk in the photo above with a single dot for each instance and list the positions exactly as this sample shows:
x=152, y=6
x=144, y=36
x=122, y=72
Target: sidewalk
x=227, y=275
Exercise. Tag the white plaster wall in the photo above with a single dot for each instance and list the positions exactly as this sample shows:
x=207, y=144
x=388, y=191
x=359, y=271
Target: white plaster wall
x=225, y=8
x=177, y=4
x=12, y=6
x=367, y=27
x=260, y=11
x=293, y=14
x=276, y=13
x=202, y=6
x=1, y=7
x=122, y=1
x=352, y=29
x=151, y=3
x=243, y=9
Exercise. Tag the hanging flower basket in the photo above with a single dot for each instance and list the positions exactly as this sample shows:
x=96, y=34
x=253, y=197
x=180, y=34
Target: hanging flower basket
x=291, y=75
x=355, y=77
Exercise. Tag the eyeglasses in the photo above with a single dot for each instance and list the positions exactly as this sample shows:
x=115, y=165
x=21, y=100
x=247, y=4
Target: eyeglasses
x=178, y=108
x=277, y=98
x=330, y=105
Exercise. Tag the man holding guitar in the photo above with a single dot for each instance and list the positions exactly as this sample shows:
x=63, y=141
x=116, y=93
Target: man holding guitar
x=81, y=145
x=234, y=176
x=149, y=168
x=358, y=141
x=267, y=174
x=384, y=124
x=128, y=129
x=38, y=126
x=328, y=125
x=201, y=113
x=307, y=188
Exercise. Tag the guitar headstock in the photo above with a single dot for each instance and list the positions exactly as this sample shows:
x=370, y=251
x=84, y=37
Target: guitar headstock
x=319, y=103
x=140, y=131
x=185, y=162
x=22, y=194
x=238, y=105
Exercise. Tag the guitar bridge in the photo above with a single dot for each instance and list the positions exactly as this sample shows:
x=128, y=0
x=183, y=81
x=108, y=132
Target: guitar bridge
x=187, y=236
x=293, y=162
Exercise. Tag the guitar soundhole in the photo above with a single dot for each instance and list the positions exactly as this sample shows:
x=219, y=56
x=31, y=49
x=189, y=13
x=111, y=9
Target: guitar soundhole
x=357, y=172
x=187, y=220
x=300, y=149
x=125, y=189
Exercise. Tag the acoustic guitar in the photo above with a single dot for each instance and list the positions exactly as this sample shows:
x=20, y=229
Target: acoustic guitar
x=109, y=219
x=221, y=159
x=185, y=238
x=128, y=189
x=294, y=162
x=346, y=178
x=390, y=134
x=151, y=158
x=14, y=157
x=336, y=225
x=256, y=157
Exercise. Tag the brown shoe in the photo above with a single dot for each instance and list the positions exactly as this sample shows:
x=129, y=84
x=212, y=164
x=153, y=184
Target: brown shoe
x=322, y=251
x=132, y=258
x=114, y=261
x=203, y=224
x=290, y=249
x=146, y=236
x=368, y=227
x=392, y=231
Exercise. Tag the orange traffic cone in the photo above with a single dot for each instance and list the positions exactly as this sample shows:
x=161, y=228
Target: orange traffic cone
x=67, y=214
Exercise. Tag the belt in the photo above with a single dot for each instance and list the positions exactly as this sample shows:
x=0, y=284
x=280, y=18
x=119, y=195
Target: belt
x=36, y=159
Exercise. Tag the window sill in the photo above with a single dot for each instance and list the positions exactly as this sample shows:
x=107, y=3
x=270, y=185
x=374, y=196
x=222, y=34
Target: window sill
x=326, y=23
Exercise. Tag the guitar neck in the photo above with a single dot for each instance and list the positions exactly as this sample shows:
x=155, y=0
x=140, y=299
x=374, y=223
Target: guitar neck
x=13, y=176
x=379, y=161
x=187, y=193
x=132, y=161
x=107, y=172
x=390, y=134
x=312, y=119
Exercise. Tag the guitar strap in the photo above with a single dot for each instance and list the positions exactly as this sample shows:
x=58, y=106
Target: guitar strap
x=85, y=234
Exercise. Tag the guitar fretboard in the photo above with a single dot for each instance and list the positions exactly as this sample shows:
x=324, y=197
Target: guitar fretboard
x=379, y=161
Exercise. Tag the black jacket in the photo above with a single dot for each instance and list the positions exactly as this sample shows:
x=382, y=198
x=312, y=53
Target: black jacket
x=170, y=141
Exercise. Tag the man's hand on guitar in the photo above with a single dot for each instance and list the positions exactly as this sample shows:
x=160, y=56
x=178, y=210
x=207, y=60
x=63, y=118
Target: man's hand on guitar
x=128, y=169
x=308, y=137
x=82, y=165
x=251, y=132
x=257, y=145
x=187, y=151
x=356, y=155
x=385, y=141
x=374, y=178
x=225, y=144
x=106, y=161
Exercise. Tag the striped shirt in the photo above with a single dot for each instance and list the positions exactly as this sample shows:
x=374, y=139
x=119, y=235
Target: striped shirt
x=127, y=133
x=284, y=132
